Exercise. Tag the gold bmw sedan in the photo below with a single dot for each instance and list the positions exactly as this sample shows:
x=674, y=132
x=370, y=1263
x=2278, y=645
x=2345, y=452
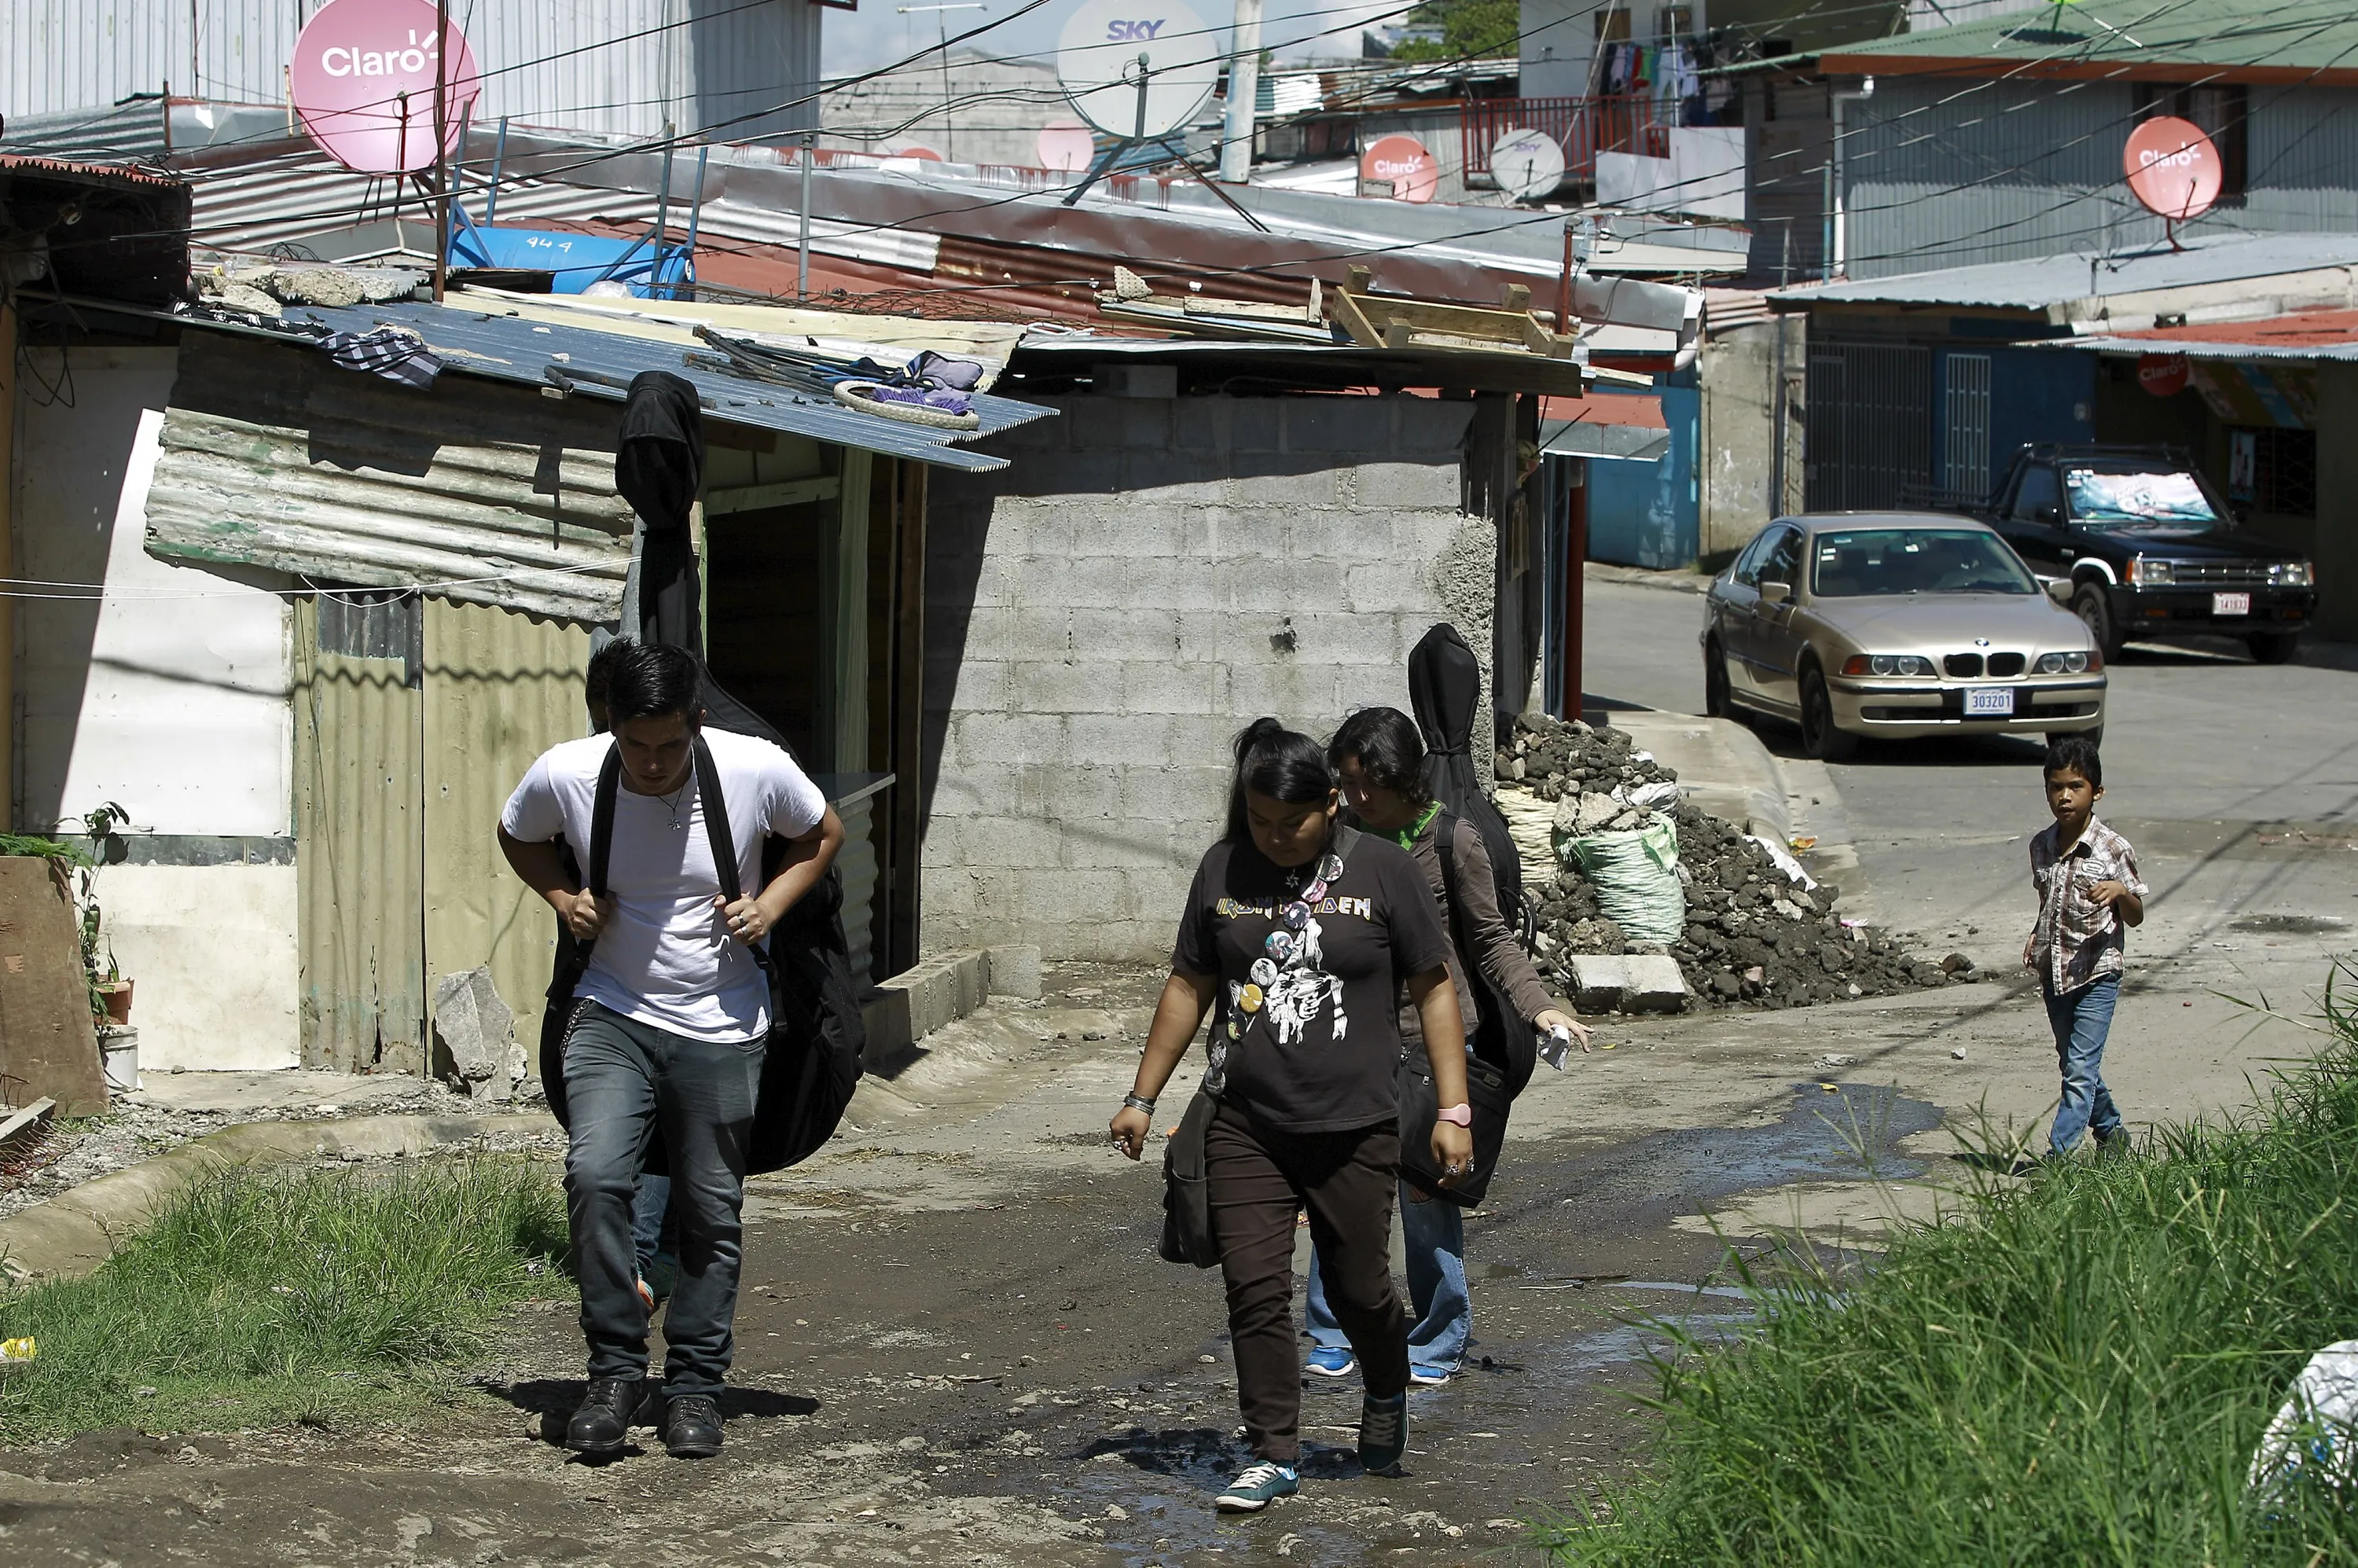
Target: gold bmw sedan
x=1857, y=624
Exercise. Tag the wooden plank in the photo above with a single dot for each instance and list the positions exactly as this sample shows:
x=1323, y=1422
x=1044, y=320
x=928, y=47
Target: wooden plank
x=904, y=862
x=1353, y=320
x=49, y=1046
x=1470, y=321
x=787, y=493
x=1519, y=298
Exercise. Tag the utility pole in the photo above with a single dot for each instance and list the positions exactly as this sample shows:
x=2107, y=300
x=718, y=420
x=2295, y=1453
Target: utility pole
x=1244, y=93
x=441, y=146
x=941, y=17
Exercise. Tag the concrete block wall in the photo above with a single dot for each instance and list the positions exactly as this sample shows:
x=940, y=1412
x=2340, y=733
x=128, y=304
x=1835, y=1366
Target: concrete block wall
x=1148, y=577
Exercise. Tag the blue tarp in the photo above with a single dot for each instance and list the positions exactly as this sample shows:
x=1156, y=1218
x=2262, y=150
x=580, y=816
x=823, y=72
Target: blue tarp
x=1649, y=514
x=576, y=260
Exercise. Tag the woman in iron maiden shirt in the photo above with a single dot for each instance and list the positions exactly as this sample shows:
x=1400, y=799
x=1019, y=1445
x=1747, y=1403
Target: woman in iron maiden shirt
x=1297, y=934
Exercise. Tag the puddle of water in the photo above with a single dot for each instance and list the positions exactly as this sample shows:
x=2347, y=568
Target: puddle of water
x=2290, y=925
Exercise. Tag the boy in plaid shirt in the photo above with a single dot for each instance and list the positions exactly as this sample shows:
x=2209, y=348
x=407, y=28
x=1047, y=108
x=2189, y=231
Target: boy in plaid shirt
x=2089, y=893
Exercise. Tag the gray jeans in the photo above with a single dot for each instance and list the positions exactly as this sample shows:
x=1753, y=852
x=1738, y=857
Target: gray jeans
x=626, y=1081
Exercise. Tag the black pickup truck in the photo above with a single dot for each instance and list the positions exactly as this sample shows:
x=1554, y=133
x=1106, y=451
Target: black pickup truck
x=2150, y=548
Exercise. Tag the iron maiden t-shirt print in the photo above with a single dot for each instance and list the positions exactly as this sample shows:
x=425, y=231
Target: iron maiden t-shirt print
x=1305, y=1036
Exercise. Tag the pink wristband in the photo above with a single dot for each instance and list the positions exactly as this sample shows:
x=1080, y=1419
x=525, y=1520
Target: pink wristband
x=1460, y=1115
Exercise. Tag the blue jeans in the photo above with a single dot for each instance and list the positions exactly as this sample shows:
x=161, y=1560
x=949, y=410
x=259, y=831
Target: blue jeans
x=2082, y=1019
x=1435, y=1232
x=624, y=1079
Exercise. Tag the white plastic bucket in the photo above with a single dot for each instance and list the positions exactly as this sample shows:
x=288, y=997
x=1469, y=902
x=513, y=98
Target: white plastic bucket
x=118, y=1055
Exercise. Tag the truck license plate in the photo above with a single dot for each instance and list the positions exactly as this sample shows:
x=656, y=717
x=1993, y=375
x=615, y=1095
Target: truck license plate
x=1989, y=702
x=2231, y=604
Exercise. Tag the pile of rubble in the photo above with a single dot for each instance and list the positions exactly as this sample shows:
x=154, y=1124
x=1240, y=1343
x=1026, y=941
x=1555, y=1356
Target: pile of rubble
x=263, y=288
x=1755, y=930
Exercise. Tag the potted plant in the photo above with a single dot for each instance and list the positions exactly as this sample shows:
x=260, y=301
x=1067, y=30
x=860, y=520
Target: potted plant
x=110, y=993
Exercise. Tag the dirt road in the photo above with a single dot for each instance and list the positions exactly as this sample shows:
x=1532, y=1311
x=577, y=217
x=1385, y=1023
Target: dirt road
x=956, y=1344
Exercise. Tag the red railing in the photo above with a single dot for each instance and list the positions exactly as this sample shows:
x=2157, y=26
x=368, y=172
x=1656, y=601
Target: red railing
x=1581, y=126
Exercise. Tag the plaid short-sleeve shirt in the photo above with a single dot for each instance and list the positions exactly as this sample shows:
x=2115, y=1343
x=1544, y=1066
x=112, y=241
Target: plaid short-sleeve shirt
x=2077, y=939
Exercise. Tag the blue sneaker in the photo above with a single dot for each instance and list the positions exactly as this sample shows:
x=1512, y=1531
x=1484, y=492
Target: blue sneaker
x=1431, y=1377
x=1258, y=1486
x=1333, y=1361
x=1383, y=1433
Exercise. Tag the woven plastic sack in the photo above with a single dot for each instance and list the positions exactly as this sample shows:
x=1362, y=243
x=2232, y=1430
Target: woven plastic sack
x=1635, y=875
x=2315, y=1435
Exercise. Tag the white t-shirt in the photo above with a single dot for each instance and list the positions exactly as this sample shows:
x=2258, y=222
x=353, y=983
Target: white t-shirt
x=666, y=956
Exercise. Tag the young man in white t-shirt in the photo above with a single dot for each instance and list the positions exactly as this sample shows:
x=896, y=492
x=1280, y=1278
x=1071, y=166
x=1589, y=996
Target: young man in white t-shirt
x=670, y=1018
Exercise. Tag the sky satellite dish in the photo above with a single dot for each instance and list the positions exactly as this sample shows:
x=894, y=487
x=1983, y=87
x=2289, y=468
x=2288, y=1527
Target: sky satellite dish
x=1067, y=146
x=1528, y=163
x=2172, y=167
x=1098, y=61
x=917, y=150
x=1404, y=163
x=363, y=80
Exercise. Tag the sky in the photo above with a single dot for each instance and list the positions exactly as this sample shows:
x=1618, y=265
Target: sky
x=877, y=34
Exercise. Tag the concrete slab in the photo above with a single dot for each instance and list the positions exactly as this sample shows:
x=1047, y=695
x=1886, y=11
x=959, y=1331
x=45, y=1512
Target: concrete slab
x=1627, y=983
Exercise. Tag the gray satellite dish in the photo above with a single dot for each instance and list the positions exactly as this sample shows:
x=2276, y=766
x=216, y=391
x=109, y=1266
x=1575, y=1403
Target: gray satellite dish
x=1110, y=47
x=1526, y=163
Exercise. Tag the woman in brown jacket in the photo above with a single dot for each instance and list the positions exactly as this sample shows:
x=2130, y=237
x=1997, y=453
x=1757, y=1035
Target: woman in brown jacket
x=1378, y=759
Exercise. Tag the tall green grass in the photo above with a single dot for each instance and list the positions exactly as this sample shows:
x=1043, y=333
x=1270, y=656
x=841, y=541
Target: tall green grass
x=261, y=1297
x=2075, y=1369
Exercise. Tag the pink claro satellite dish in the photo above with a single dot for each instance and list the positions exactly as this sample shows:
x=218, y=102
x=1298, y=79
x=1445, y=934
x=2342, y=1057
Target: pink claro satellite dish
x=362, y=78
x=2172, y=167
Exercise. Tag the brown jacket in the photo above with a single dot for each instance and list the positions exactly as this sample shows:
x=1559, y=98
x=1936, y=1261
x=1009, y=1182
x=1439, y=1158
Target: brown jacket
x=1495, y=947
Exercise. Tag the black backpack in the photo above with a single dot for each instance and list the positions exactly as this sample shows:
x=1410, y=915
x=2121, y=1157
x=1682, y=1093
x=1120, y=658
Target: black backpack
x=817, y=1033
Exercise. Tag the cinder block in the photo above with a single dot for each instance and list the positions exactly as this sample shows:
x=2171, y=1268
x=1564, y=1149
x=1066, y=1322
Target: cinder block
x=1007, y=738
x=1203, y=425
x=1184, y=794
x=1131, y=421
x=1633, y=982
x=1039, y=436
x=1430, y=425
x=1066, y=686
x=1100, y=582
x=1160, y=686
x=1160, y=473
x=1149, y=629
x=1337, y=424
x=1280, y=583
x=1118, y=738
x=1086, y=470
x=980, y=685
x=1076, y=793
x=1118, y=843
x=1174, y=582
x=1038, y=634
x=1287, y=480
x=1011, y=842
x=1012, y=969
x=1139, y=525
x=1387, y=587
x=1258, y=425
x=1403, y=486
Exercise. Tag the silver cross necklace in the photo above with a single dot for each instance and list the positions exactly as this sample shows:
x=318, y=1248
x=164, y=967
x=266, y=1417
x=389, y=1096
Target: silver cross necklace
x=671, y=805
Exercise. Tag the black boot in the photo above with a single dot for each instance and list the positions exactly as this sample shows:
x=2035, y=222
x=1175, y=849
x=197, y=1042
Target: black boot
x=692, y=1427
x=602, y=1424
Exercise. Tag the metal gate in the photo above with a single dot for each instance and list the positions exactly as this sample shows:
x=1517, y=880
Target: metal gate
x=1965, y=427
x=1869, y=433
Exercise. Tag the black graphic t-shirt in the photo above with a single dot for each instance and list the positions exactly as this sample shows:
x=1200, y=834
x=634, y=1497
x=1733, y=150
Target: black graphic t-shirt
x=1316, y=1051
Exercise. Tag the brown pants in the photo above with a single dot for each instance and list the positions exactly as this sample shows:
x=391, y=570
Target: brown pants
x=1258, y=1179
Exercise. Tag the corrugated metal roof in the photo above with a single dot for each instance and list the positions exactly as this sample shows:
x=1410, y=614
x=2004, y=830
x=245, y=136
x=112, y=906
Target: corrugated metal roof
x=2304, y=335
x=601, y=365
x=2039, y=283
x=2251, y=41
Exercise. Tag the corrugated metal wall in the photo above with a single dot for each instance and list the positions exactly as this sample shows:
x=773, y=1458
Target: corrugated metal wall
x=1944, y=173
x=275, y=456
x=698, y=63
x=414, y=720
x=500, y=689
x=359, y=841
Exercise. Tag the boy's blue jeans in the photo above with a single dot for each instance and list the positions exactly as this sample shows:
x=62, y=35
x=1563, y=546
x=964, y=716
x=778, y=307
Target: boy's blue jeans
x=2082, y=1019
x=1435, y=1232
